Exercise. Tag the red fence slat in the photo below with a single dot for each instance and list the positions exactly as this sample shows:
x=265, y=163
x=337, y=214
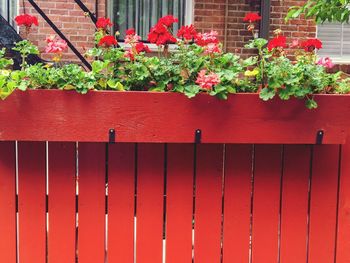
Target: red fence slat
x=323, y=204
x=7, y=202
x=121, y=190
x=91, y=210
x=208, y=203
x=31, y=196
x=266, y=203
x=237, y=203
x=295, y=203
x=343, y=241
x=149, y=213
x=179, y=203
x=62, y=168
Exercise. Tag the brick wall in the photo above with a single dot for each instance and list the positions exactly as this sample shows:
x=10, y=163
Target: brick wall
x=208, y=15
x=69, y=18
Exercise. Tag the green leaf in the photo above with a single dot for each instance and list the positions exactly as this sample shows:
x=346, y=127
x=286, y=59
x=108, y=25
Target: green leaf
x=114, y=84
x=191, y=91
x=267, y=94
x=311, y=104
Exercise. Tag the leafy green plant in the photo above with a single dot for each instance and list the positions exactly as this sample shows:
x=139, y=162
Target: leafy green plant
x=197, y=65
x=322, y=10
x=25, y=48
x=4, y=62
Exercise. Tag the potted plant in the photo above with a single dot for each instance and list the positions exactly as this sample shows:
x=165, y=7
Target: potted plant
x=132, y=96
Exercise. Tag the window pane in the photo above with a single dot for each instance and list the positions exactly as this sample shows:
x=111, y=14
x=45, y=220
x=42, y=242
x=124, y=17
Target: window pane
x=143, y=14
x=8, y=10
x=331, y=36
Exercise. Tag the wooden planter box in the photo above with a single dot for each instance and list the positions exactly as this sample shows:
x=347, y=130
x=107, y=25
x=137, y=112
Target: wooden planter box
x=53, y=115
x=255, y=189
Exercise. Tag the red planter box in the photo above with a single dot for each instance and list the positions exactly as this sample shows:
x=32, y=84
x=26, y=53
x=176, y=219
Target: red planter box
x=54, y=115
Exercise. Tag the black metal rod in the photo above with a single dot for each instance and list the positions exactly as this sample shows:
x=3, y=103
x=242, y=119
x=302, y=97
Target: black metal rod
x=86, y=10
x=58, y=32
x=265, y=12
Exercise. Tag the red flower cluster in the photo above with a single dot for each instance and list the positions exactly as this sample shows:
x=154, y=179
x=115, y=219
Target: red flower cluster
x=107, y=41
x=103, y=23
x=141, y=47
x=279, y=41
x=207, y=38
x=187, y=32
x=311, y=44
x=160, y=34
x=252, y=17
x=130, y=31
x=26, y=20
x=168, y=20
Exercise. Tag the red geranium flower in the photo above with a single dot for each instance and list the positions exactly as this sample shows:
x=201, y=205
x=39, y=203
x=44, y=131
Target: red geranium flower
x=26, y=20
x=279, y=41
x=252, y=17
x=311, y=44
x=130, y=31
x=207, y=38
x=103, y=23
x=107, y=41
x=160, y=35
x=187, y=32
x=168, y=20
x=141, y=47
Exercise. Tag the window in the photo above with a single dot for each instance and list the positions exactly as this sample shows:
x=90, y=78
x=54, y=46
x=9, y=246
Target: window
x=143, y=14
x=8, y=10
x=336, y=41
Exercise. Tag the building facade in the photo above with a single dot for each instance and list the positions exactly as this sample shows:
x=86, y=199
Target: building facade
x=224, y=16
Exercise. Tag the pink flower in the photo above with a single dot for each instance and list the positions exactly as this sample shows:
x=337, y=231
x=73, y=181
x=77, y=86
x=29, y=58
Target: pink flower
x=207, y=38
x=55, y=45
x=325, y=62
x=295, y=43
x=212, y=48
x=207, y=81
x=132, y=38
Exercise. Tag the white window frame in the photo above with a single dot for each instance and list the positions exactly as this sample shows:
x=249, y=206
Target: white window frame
x=336, y=59
x=189, y=19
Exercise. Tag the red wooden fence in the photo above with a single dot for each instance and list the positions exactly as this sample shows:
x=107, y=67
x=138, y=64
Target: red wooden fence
x=269, y=195
x=149, y=203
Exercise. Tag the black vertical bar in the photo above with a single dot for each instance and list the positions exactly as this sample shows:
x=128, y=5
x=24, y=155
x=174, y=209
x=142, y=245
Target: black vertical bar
x=160, y=3
x=150, y=13
x=8, y=11
x=265, y=22
x=127, y=14
x=183, y=14
x=134, y=14
x=116, y=15
x=96, y=9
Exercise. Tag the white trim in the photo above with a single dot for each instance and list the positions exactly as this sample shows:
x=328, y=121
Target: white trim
x=189, y=12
